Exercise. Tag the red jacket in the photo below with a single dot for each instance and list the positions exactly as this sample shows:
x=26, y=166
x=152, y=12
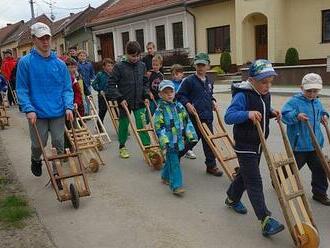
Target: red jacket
x=7, y=67
x=77, y=95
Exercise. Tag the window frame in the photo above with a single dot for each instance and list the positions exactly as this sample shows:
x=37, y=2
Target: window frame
x=157, y=40
x=324, y=12
x=222, y=49
x=174, y=32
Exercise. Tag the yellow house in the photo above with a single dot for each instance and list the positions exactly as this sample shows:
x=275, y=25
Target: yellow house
x=252, y=29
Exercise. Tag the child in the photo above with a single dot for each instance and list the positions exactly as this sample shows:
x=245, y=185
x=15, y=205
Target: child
x=100, y=84
x=251, y=103
x=3, y=87
x=154, y=80
x=86, y=70
x=150, y=54
x=77, y=91
x=177, y=73
x=173, y=128
x=128, y=85
x=303, y=107
x=196, y=94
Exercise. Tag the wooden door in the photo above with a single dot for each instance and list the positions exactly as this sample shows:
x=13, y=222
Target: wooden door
x=106, y=41
x=261, y=41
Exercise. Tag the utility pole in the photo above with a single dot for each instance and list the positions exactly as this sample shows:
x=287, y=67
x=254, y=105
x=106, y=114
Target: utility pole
x=32, y=9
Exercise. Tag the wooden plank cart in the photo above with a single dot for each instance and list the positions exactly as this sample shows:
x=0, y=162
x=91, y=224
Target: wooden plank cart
x=60, y=174
x=325, y=162
x=87, y=145
x=101, y=136
x=284, y=174
x=112, y=107
x=221, y=145
x=152, y=153
x=4, y=118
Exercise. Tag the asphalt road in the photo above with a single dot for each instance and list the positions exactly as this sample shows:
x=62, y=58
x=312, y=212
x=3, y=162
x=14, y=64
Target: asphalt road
x=129, y=207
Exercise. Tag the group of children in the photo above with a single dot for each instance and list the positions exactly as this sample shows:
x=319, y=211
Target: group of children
x=175, y=102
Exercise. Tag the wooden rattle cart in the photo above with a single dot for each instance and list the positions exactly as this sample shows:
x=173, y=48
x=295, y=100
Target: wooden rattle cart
x=284, y=174
x=221, y=145
x=152, y=153
x=4, y=118
x=68, y=181
x=87, y=145
x=113, y=110
x=325, y=162
x=99, y=132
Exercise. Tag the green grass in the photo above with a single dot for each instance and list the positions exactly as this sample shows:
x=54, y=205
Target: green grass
x=13, y=209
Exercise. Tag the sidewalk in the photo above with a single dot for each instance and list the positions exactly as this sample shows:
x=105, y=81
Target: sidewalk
x=285, y=90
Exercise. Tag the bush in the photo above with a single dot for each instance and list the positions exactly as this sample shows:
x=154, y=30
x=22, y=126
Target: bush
x=225, y=61
x=292, y=57
x=177, y=56
x=218, y=70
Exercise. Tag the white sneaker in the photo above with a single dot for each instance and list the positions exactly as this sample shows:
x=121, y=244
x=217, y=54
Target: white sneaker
x=190, y=154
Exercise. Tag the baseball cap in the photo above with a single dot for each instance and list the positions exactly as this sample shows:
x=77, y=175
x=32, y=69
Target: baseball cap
x=312, y=81
x=202, y=58
x=166, y=84
x=40, y=29
x=261, y=69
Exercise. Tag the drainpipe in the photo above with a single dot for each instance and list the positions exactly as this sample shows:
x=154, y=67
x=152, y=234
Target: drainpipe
x=194, y=17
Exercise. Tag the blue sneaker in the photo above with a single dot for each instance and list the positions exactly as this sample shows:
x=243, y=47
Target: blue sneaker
x=238, y=207
x=271, y=226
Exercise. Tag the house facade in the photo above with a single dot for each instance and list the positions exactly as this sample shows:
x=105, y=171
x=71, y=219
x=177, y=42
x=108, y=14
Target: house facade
x=251, y=29
x=166, y=23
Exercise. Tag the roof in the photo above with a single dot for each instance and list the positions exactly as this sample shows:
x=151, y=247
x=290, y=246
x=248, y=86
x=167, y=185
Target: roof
x=61, y=24
x=5, y=32
x=22, y=35
x=125, y=8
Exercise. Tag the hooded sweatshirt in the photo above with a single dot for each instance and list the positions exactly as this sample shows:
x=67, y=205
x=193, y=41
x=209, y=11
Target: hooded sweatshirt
x=298, y=131
x=44, y=85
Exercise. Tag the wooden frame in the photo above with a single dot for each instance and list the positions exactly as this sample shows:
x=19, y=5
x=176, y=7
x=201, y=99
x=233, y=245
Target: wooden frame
x=100, y=135
x=323, y=159
x=221, y=145
x=152, y=153
x=79, y=185
x=4, y=118
x=113, y=110
x=284, y=174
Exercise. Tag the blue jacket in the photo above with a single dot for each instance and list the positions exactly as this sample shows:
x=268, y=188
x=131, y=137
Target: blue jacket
x=246, y=99
x=298, y=132
x=86, y=70
x=198, y=93
x=3, y=83
x=44, y=85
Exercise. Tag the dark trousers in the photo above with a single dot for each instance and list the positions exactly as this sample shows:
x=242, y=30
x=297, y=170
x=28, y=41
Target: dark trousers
x=319, y=178
x=102, y=107
x=249, y=179
x=209, y=156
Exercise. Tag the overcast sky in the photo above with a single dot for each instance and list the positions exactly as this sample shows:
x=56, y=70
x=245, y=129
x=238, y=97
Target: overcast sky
x=12, y=11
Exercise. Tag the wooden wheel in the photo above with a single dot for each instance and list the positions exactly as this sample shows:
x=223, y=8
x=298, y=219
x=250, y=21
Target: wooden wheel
x=93, y=165
x=311, y=237
x=155, y=159
x=74, y=196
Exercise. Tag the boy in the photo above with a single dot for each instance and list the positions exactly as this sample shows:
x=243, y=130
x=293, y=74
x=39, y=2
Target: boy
x=303, y=107
x=86, y=70
x=196, y=94
x=173, y=128
x=251, y=103
x=154, y=80
x=177, y=73
x=100, y=84
x=150, y=54
x=128, y=85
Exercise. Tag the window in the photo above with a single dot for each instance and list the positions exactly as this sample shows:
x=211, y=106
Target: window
x=218, y=39
x=326, y=25
x=160, y=37
x=85, y=46
x=125, y=38
x=177, y=35
x=140, y=37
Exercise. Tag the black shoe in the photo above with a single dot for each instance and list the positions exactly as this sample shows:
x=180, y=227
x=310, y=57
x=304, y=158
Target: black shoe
x=323, y=199
x=36, y=167
x=215, y=171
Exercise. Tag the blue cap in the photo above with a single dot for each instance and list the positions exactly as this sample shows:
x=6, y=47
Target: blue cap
x=166, y=84
x=261, y=69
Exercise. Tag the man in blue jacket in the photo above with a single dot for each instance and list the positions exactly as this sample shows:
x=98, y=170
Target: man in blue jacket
x=45, y=94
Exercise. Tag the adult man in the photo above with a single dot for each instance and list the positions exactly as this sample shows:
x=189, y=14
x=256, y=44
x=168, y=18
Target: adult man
x=45, y=94
x=8, y=64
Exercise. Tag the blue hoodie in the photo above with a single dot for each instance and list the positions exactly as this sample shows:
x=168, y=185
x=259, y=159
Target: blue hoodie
x=44, y=85
x=86, y=70
x=298, y=132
